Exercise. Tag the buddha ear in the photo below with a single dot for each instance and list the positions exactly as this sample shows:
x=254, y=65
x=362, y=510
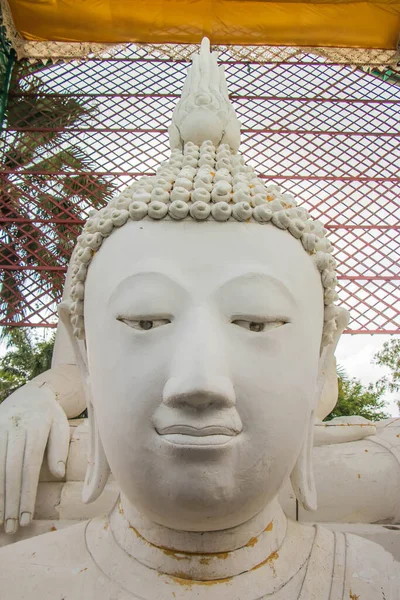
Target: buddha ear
x=98, y=470
x=78, y=346
x=327, y=384
x=302, y=476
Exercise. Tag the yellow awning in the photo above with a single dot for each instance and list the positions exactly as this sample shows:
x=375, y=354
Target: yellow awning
x=248, y=22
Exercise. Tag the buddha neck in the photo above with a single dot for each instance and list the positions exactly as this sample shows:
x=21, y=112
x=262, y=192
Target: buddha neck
x=199, y=555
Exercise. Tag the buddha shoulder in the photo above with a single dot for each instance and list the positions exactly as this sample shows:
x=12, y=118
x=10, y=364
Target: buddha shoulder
x=342, y=566
x=53, y=565
x=371, y=573
x=60, y=563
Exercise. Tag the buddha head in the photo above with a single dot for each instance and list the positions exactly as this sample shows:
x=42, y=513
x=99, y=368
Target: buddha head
x=203, y=320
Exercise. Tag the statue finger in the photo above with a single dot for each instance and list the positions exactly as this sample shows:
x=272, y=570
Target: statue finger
x=34, y=451
x=58, y=447
x=3, y=454
x=14, y=462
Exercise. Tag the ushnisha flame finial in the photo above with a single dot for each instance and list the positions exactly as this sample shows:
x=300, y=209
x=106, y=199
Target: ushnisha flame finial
x=204, y=111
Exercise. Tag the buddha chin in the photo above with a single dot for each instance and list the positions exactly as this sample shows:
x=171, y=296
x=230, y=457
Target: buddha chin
x=203, y=488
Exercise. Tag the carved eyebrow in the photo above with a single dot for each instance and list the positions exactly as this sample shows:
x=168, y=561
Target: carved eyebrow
x=255, y=276
x=252, y=277
x=151, y=273
x=129, y=282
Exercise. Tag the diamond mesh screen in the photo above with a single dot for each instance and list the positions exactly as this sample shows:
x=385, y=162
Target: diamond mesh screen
x=78, y=132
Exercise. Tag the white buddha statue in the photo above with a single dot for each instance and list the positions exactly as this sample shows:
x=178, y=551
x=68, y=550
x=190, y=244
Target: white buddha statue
x=201, y=313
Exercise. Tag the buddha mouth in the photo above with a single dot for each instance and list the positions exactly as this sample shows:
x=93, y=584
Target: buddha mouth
x=187, y=435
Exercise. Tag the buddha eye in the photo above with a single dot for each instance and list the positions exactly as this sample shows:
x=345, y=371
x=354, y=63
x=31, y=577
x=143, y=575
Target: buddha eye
x=145, y=324
x=258, y=326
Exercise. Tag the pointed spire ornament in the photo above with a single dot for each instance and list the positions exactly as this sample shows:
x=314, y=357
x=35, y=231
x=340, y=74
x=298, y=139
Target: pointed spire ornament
x=204, y=111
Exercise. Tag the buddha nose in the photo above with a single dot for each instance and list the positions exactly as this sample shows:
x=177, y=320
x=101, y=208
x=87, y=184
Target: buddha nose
x=199, y=376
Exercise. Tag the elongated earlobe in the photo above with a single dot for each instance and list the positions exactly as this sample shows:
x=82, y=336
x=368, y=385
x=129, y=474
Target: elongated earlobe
x=98, y=469
x=302, y=476
x=327, y=389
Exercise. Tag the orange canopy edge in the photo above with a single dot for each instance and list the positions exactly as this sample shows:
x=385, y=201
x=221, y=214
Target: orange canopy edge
x=335, y=23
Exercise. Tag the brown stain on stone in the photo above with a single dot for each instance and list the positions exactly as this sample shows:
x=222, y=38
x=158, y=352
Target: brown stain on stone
x=135, y=531
x=106, y=526
x=174, y=555
x=181, y=579
x=252, y=542
x=365, y=450
x=331, y=425
x=359, y=476
x=53, y=528
x=180, y=554
x=354, y=596
x=268, y=561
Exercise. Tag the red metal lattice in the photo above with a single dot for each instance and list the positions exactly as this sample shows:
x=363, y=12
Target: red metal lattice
x=324, y=131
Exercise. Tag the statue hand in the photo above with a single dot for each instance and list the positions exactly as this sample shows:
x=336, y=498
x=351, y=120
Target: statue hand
x=30, y=419
x=342, y=429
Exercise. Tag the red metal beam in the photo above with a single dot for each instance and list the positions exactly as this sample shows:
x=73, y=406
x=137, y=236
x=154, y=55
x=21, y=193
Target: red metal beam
x=235, y=97
x=42, y=221
x=261, y=175
x=243, y=63
x=299, y=132
x=371, y=331
x=47, y=268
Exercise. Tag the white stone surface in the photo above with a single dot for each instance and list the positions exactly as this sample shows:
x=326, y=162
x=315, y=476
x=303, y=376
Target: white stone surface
x=48, y=500
x=78, y=453
x=339, y=566
x=358, y=482
x=203, y=366
x=349, y=480
x=76, y=462
x=229, y=506
x=204, y=111
x=37, y=527
x=66, y=384
x=30, y=420
x=71, y=505
x=387, y=536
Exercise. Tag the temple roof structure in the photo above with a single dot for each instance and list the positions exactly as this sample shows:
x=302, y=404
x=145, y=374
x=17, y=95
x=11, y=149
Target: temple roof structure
x=372, y=24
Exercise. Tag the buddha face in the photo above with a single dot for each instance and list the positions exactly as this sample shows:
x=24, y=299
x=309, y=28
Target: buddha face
x=203, y=344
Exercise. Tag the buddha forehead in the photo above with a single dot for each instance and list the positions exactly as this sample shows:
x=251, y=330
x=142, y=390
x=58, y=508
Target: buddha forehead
x=201, y=257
